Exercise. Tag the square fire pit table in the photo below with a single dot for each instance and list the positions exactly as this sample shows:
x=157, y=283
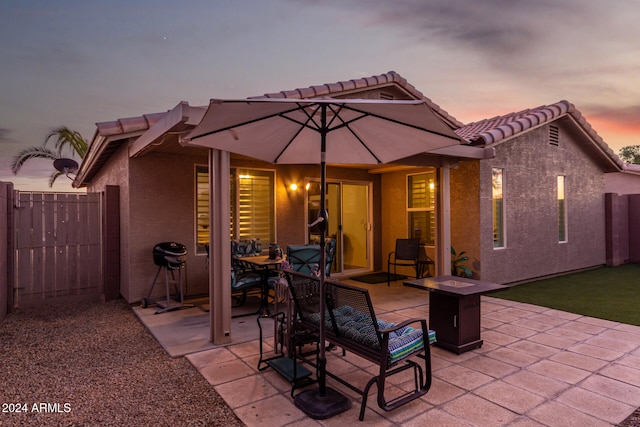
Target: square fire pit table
x=454, y=309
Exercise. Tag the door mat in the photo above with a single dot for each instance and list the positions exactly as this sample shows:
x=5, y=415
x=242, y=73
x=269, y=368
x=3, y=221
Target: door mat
x=377, y=277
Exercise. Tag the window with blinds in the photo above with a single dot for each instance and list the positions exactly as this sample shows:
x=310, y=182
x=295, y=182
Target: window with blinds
x=421, y=207
x=252, y=205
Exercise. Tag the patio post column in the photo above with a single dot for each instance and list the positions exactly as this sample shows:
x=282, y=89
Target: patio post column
x=443, y=235
x=220, y=248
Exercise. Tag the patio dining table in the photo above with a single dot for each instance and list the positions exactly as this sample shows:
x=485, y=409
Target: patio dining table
x=266, y=267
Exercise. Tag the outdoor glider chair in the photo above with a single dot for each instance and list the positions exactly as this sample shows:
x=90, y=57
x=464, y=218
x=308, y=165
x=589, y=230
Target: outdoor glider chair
x=407, y=254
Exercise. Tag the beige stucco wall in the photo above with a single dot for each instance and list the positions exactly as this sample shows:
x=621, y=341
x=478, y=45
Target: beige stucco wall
x=118, y=174
x=465, y=212
x=162, y=203
x=394, y=212
x=531, y=166
x=156, y=205
x=394, y=218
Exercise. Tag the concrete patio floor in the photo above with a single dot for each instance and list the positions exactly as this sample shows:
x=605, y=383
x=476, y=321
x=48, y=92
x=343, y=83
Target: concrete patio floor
x=537, y=367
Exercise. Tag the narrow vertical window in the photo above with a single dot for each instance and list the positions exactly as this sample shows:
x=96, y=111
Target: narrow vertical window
x=202, y=208
x=562, y=210
x=421, y=207
x=497, y=187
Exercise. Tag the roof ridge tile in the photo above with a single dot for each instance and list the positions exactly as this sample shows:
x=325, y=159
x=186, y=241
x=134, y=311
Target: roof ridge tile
x=363, y=83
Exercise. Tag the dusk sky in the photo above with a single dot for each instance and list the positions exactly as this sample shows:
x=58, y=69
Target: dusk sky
x=75, y=63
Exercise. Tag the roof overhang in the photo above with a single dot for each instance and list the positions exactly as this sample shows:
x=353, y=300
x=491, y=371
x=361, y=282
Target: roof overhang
x=179, y=120
x=631, y=169
x=100, y=151
x=147, y=131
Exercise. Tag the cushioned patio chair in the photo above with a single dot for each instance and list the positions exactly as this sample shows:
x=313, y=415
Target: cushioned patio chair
x=243, y=277
x=303, y=258
x=243, y=280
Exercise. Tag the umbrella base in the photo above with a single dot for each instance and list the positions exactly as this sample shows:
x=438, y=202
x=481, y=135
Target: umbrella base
x=322, y=407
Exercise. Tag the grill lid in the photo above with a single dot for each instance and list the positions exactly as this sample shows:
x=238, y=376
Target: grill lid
x=169, y=254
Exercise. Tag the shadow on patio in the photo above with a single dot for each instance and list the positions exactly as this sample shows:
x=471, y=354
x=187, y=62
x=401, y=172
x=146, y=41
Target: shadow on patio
x=537, y=367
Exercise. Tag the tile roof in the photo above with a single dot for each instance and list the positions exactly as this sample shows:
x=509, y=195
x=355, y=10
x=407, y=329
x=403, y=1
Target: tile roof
x=346, y=86
x=482, y=133
x=129, y=124
x=492, y=131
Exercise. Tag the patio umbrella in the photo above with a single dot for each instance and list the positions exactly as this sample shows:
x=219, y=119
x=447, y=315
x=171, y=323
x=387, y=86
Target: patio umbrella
x=312, y=131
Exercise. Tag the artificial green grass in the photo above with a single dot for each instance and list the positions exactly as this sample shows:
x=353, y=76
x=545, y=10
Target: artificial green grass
x=611, y=293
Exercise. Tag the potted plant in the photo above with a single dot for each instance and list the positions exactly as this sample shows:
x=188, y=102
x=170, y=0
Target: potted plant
x=457, y=264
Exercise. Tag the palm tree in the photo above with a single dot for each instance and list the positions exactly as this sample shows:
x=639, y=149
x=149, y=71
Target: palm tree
x=63, y=137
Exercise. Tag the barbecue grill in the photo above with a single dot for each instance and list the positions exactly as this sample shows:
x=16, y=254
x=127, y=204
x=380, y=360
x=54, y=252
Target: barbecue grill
x=170, y=256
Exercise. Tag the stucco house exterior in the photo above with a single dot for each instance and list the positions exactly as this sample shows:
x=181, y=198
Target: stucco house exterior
x=551, y=217
x=523, y=196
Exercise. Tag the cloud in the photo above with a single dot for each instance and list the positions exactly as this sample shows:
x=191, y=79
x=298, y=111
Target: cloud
x=501, y=27
x=4, y=134
x=626, y=117
x=522, y=38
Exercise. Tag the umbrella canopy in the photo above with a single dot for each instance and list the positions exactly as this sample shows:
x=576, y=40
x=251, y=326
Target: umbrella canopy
x=312, y=131
x=289, y=130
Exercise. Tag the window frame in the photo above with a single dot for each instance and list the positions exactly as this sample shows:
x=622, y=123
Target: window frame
x=235, y=231
x=499, y=225
x=561, y=197
x=430, y=209
x=201, y=209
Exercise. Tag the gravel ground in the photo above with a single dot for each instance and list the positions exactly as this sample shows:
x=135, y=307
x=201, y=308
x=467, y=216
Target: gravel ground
x=633, y=420
x=96, y=365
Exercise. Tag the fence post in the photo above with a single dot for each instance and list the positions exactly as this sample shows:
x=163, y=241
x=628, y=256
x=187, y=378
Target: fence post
x=617, y=228
x=6, y=250
x=634, y=228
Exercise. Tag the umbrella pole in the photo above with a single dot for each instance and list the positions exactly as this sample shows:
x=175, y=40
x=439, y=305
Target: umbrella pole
x=323, y=402
x=322, y=359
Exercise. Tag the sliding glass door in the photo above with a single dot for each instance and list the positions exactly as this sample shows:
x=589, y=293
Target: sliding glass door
x=349, y=208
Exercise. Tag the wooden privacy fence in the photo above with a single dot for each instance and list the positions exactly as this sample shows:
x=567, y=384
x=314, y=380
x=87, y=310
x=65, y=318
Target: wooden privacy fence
x=58, y=248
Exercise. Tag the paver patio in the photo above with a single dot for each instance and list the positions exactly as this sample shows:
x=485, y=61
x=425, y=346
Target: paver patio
x=537, y=367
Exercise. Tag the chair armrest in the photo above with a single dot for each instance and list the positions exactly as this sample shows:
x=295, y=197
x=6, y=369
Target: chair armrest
x=404, y=346
x=403, y=324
